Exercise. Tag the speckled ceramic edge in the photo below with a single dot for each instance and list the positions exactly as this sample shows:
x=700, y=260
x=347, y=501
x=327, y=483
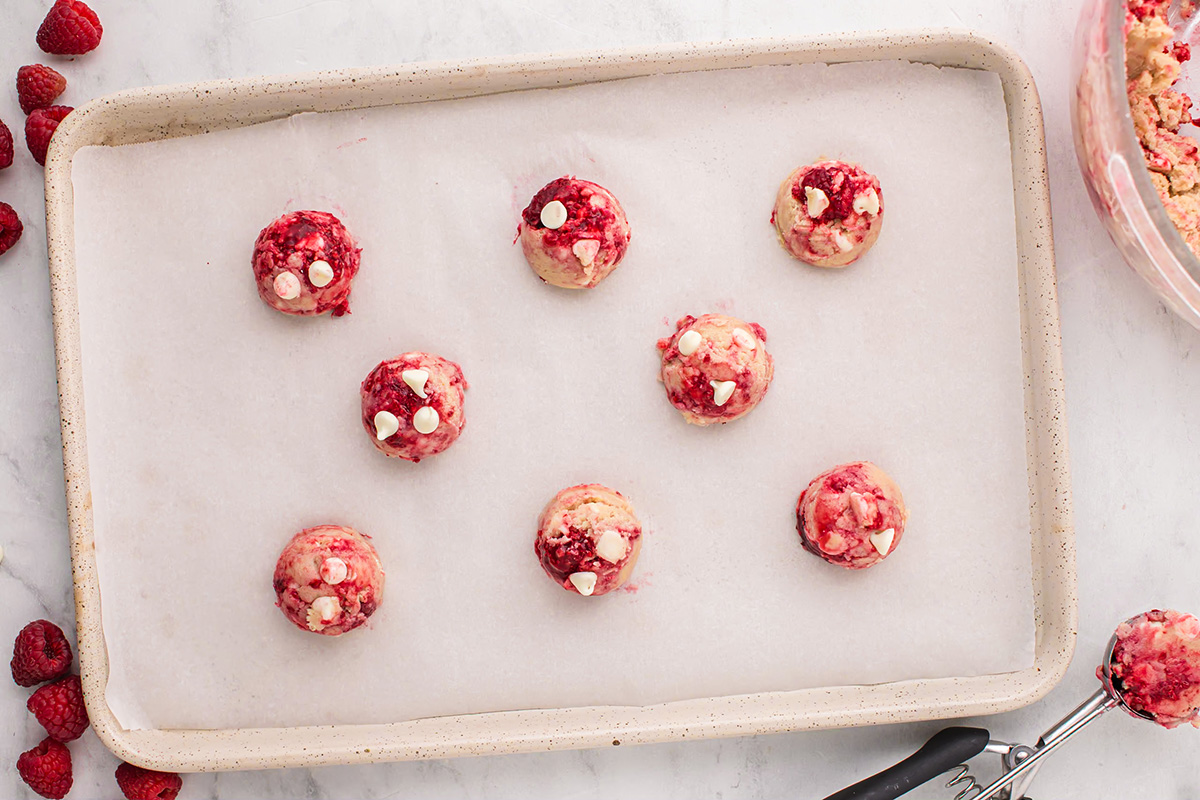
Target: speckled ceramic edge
x=156, y=113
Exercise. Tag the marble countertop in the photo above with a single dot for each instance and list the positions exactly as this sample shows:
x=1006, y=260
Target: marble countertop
x=1131, y=389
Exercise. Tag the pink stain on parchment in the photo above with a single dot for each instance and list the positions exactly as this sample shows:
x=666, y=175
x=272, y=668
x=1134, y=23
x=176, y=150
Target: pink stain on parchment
x=633, y=587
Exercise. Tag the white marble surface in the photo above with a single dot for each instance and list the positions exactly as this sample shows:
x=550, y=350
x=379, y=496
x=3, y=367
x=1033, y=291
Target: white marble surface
x=1131, y=389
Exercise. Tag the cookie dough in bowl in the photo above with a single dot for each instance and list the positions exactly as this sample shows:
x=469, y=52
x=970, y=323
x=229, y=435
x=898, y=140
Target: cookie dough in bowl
x=588, y=539
x=328, y=580
x=1153, y=65
x=829, y=213
x=715, y=368
x=573, y=233
x=304, y=263
x=852, y=515
x=412, y=405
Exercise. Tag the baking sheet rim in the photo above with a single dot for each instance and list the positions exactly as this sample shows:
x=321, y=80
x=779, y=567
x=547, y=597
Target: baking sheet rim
x=162, y=112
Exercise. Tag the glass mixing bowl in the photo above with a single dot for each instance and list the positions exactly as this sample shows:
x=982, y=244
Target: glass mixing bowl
x=1113, y=165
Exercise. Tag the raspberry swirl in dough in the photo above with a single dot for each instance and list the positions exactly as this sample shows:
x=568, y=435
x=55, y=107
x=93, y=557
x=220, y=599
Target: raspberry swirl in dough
x=573, y=233
x=412, y=405
x=1155, y=667
x=304, y=263
x=588, y=539
x=852, y=515
x=828, y=213
x=328, y=580
x=715, y=368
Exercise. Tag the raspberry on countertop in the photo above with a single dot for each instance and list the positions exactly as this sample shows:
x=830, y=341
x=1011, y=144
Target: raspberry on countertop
x=47, y=769
x=59, y=708
x=138, y=783
x=40, y=653
x=70, y=28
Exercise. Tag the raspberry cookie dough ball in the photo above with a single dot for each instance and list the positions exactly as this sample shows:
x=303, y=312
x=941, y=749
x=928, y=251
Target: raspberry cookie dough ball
x=588, y=539
x=412, y=405
x=715, y=368
x=304, y=262
x=328, y=580
x=828, y=213
x=573, y=233
x=1155, y=667
x=852, y=515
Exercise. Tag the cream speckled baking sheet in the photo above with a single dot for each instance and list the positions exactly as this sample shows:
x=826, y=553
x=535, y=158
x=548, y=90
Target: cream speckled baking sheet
x=203, y=405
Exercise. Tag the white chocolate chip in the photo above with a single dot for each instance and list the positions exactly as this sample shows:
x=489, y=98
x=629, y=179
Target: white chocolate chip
x=842, y=241
x=585, y=250
x=416, y=378
x=334, y=570
x=584, y=582
x=386, y=424
x=320, y=274
x=611, y=546
x=744, y=338
x=324, y=609
x=426, y=419
x=867, y=203
x=722, y=391
x=690, y=343
x=287, y=286
x=882, y=540
x=554, y=215
x=816, y=201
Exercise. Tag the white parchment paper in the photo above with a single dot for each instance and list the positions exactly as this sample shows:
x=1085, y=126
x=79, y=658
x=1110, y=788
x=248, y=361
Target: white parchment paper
x=218, y=427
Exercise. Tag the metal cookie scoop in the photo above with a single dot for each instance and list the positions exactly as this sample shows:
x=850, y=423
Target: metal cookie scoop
x=946, y=749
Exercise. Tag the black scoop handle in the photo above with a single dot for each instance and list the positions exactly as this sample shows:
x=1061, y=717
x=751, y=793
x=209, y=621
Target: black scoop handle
x=945, y=750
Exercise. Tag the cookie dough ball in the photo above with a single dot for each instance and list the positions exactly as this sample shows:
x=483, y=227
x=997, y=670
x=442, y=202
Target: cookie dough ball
x=715, y=368
x=588, y=539
x=828, y=213
x=328, y=580
x=1155, y=667
x=574, y=233
x=852, y=515
x=412, y=405
x=304, y=263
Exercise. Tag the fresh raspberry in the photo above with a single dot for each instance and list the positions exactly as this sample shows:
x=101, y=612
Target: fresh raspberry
x=59, y=708
x=10, y=232
x=41, y=651
x=6, y=146
x=70, y=29
x=146, y=784
x=40, y=126
x=47, y=769
x=38, y=86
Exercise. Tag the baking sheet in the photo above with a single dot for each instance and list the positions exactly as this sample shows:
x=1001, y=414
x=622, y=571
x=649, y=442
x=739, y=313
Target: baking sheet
x=217, y=428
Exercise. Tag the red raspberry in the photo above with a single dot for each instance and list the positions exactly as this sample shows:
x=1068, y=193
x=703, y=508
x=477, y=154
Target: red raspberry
x=59, y=707
x=38, y=86
x=10, y=232
x=70, y=29
x=41, y=651
x=47, y=769
x=40, y=126
x=6, y=146
x=146, y=784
